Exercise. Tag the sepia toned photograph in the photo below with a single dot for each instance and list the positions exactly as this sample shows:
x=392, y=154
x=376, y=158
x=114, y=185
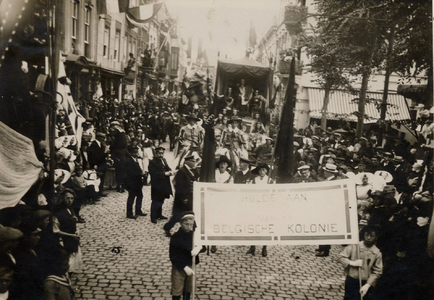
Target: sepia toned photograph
x=216, y=150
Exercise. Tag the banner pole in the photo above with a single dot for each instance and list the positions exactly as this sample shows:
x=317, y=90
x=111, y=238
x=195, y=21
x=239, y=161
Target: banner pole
x=360, y=271
x=193, y=266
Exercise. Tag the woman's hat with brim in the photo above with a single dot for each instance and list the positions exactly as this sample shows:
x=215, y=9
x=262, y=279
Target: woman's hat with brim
x=60, y=172
x=359, y=177
x=386, y=175
x=260, y=166
x=223, y=158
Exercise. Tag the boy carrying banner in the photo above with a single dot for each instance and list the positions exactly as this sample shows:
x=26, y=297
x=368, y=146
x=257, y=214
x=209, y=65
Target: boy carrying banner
x=363, y=265
x=181, y=252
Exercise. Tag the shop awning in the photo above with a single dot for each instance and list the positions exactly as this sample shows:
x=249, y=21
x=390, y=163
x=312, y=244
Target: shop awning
x=343, y=105
x=111, y=73
x=416, y=92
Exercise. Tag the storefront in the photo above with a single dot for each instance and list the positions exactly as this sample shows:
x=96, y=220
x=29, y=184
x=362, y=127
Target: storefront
x=84, y=75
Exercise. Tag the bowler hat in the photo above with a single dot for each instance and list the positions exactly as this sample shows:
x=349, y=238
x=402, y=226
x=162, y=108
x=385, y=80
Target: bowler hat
x=389, y=189
x=192, y=116
x=235, y=119
x=245, y=160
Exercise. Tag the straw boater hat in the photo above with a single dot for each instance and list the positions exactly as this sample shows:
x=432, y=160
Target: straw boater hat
x=331, y=168
x=303, y=167
x=255, y=171
x=223, y=158
x=398, y=158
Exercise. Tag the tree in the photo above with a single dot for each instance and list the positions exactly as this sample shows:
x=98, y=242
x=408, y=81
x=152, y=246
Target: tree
x=413, y=46
x=328, y=63
x=381, y=34
x=359, y=29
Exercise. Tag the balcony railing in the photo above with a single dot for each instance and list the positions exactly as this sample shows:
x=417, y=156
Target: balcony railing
x=285, y=66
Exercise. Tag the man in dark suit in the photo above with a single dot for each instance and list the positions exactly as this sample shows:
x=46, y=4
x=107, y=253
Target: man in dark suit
x=183, y=183
x=118, y=149
x=134, y=184
x=244, y=175
x=96, y=154
x=160, y=183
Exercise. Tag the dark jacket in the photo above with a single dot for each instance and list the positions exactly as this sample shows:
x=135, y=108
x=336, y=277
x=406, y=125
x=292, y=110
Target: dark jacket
x=96, y=156
x=180, y=248
x=184, y=188
x=68, y=224
x=160, y=183
x=134, y=178
x=241, y=178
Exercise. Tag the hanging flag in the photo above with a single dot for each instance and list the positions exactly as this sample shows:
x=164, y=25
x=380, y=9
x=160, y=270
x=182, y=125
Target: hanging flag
x=112, y=6
x=66, y=103
x=207, y=168
x=283, y=153
x=19, y=164
x=143, y=13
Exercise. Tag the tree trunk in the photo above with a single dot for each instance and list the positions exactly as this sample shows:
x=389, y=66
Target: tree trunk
x=325, y=108
x=362, y=102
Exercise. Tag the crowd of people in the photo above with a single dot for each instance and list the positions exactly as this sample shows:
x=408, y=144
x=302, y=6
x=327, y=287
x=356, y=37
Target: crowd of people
x=121, y=149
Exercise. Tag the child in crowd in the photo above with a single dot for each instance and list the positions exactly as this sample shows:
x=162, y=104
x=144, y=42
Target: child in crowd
x=181, y=252
x=57, y=285
x=363, y=261
x=110, y=176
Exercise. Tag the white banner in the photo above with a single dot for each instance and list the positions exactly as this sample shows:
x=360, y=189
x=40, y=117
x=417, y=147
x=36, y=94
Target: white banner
x=276, y=214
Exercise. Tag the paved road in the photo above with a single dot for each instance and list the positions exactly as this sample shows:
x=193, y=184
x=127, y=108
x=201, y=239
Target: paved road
x=140, y=267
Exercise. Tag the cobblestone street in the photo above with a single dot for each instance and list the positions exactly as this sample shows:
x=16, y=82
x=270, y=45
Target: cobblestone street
x=129, y=259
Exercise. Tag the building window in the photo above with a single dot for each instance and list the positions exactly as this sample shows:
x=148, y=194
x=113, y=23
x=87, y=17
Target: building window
x=74, y=20
x=125, y=50
x=174, y=60
x=117, y=44
x=130, y=46
x=105, y=52
x=87, y=18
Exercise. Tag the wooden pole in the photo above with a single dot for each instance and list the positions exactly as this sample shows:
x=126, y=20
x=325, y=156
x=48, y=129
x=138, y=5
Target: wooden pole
x=193, y=267
x=360, y=271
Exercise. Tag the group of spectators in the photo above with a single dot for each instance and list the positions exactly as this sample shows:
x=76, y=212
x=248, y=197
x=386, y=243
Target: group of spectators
x=39, y=237
x=394, y=186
